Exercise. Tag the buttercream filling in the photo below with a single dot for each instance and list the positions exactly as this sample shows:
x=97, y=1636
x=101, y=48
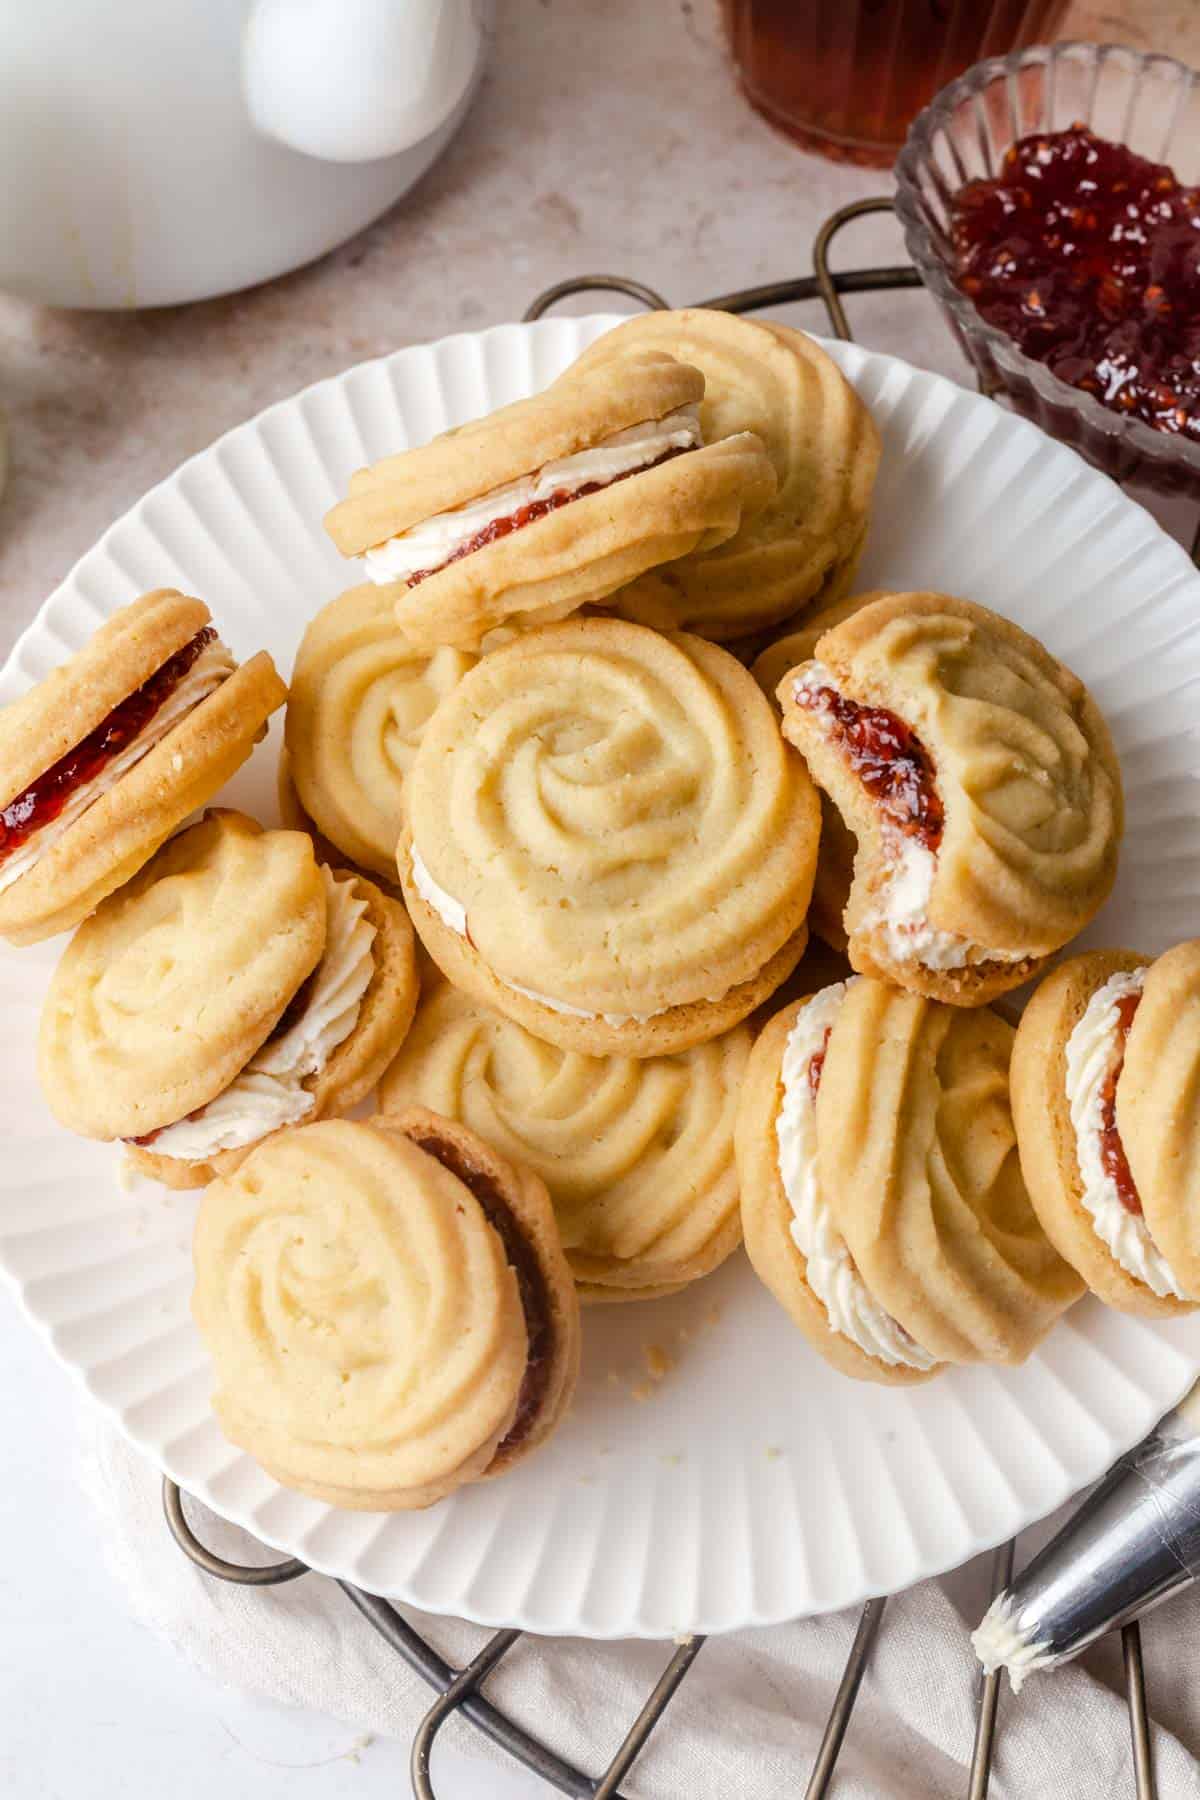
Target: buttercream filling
x=430, y=544
x=270, y=1091
x=1000, y=1644
x=850, y=1307
x=453, y=914
x=1095, y=1054
x=213, y=665
x=531, y=1283
x=900, y=907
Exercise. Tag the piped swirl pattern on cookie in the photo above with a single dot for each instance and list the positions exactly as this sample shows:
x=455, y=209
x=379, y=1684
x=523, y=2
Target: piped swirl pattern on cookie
x=637, y=1155
x=170, y=987
x=364, y=1322
x=979, y=779
x=611, y=820
x=824, y=447
x=917, y=1159
x=360, y=698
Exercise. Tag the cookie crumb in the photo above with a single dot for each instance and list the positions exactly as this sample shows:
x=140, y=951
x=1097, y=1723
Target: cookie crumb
x=672, y=1458
x=773, y=1452
x=714, y=1315
x=614, y=1380
x=642, y=1391
x=659, y=1362
x=126, y=1176
x=682, y=1637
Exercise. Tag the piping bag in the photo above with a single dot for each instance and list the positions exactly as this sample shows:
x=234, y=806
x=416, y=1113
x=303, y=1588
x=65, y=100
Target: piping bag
x=1133, y=1543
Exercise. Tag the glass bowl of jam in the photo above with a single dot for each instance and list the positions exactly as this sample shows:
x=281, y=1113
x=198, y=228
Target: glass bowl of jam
x=1049, y=203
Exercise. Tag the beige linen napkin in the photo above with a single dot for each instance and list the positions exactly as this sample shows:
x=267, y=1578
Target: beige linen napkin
x=747, y=1720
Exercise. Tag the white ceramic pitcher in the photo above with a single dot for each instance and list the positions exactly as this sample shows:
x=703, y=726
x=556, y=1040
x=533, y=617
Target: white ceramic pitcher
x=164, y=150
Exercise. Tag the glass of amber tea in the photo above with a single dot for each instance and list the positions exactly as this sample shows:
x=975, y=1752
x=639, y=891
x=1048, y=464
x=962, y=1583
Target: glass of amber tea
x=845, y=77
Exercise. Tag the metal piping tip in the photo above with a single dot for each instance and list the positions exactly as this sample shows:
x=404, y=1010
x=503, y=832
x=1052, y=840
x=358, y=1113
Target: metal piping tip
x=1133, y=1543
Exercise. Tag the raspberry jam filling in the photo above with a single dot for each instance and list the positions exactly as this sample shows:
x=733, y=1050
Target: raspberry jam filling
x=889, y=759
x=1088, y=257
x=1112, y=1150
x=534, y=510
x=816, y=1066
x=44, y=799
x=531, y=1283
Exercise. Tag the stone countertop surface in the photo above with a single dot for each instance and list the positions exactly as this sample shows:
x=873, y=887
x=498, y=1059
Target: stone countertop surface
x=608, y=135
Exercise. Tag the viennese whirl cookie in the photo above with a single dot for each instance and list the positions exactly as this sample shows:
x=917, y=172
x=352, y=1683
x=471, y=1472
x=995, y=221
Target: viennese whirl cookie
x=110, y=753
x=800, y=548
x=637, y=1155
x=980, y=781
x=387, y=1308
x=552, y=502
x=610, y=842
x=232, y=988
x=1104, y=1093
x=882, y=1198
x=360, y=698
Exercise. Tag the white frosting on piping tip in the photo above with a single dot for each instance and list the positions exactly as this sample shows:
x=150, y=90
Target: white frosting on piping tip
x=999, y=1645
x=428, y=545
x=1091, y=1050
x=851, y=1308
x=269, y=1092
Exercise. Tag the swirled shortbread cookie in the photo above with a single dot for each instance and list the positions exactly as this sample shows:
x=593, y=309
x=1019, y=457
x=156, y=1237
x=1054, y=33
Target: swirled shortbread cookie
x=918, y=1158
x=232, y=988
x=802, y=547
x=835, y=861
x=610, y=842
x=882, y=1198
x=791, y=1238
x=979, y=779
x=1103, y=1078
x=551, y=503
x=387, y=1309
x=637, y=1155
x=360, y=697
x=110, y=753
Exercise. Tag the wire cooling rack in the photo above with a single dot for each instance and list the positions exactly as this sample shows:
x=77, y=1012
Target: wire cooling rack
x=459, y=1690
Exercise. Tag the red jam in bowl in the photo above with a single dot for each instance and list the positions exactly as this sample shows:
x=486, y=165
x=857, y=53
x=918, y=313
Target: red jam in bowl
x=889, y=759
x=44, y=799
x=1088, y=257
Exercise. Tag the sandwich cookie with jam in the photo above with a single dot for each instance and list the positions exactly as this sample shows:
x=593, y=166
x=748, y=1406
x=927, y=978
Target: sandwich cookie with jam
x=550, y=503
x=388, y=1310
x=802, y=548
x=108, y=755
x=233, y=988
x=608, y=841
x=882, y=1197
x=637, y=1154
x=1105, y=1077
x=980, y=781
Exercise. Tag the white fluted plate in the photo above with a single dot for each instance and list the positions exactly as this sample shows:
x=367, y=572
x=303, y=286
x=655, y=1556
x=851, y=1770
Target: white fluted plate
x=753, y=1484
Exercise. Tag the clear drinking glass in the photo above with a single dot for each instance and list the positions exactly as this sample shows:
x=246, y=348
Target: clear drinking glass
x=845, y=77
